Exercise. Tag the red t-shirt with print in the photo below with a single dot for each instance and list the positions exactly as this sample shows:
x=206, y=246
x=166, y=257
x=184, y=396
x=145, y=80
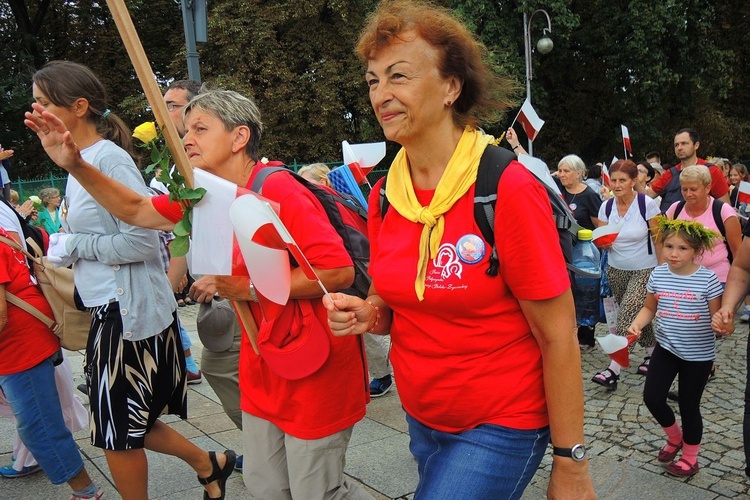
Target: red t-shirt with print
x=465, y=355
x=25, y=341
x=335, y=396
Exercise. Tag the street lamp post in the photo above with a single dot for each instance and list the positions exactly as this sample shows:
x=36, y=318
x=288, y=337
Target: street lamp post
x=544, y=46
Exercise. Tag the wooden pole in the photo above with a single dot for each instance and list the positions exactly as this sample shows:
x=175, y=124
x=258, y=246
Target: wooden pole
x=146, y=76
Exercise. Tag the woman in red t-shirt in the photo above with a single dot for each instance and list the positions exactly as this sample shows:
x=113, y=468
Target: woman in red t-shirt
x=486, y=367
x=28, y=350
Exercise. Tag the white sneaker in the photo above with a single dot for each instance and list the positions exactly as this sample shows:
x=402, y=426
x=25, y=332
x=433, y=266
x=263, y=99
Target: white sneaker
x=745, y=317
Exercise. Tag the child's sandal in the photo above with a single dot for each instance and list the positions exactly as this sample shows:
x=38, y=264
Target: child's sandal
x=607, y=378
x=643, y=367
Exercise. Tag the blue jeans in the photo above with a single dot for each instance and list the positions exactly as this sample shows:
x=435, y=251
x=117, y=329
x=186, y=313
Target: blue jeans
x=488, y=461
x=32, y=395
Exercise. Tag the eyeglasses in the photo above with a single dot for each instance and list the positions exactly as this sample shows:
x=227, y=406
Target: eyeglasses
x=171, y=106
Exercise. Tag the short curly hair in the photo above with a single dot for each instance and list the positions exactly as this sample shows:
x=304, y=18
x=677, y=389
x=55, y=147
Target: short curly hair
x=461, y=55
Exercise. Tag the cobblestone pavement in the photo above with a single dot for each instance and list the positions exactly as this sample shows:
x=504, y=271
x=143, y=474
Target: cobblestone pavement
x=619, y=426
x=622, y=437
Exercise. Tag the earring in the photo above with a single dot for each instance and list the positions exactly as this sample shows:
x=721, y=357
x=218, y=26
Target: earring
x=448, y=103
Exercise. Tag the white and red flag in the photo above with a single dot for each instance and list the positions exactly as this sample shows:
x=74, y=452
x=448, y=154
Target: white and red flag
x=530, y=121
x=743, y=193
x=606, y=180
x=265, y=244
x=626, y=142
x=616, y=347
x=361, y=158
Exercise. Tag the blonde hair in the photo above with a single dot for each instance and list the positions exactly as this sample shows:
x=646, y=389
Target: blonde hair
x=14, y=197
x=696, y=173
x=318, y=172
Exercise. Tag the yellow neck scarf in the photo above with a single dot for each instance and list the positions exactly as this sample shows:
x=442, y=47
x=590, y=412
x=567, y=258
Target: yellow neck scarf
x=459, y=176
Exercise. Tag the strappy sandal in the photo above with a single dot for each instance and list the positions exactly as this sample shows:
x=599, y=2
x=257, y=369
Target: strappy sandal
x=675, y=470
x=220, y=474
x=643, y=367
x=667, y=456
x=609, y=379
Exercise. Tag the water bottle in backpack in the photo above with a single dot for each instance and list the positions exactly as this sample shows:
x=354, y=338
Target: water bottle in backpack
x=586, y=258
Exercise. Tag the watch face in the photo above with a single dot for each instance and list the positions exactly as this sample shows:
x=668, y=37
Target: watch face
x=578, y=452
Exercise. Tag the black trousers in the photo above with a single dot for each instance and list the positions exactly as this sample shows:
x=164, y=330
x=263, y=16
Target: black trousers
x=693, y=375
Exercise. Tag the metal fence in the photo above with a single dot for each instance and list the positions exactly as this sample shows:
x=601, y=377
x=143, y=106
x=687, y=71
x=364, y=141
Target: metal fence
x=32, y=187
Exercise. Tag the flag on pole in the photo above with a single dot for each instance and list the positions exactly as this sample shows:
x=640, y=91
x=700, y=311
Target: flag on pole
x=605, y=175
x=743, y=195
x=264, y=241
x=361, y=158
x=530, y=121
x=626, y=142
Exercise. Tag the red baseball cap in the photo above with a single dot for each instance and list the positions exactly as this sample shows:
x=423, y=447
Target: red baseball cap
x=295, y=344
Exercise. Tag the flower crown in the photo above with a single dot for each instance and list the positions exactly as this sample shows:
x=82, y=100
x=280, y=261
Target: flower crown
x=693, y=229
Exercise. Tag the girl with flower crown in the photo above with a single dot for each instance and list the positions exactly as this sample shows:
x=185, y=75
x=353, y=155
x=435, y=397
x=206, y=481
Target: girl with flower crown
x=682, y=296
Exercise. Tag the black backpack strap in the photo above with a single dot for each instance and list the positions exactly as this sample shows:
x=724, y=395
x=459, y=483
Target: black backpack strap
x=678, y=209
x=608, y=207
x=384, y=203
x=716, y=211
x=491, y=167
x=642, y=208
x=263, y=174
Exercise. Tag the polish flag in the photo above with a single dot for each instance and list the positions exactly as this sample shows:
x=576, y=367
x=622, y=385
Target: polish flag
x=605, y=175
x=361, y=158
x=626, y=141
x=743, y=193
x=616, y=347
x=265, y=244
x=531, y=122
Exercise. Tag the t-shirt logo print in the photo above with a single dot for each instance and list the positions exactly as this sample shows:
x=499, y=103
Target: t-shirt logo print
x=447, y=261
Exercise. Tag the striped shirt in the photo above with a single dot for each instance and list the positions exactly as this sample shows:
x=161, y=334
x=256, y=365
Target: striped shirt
x=683, y=321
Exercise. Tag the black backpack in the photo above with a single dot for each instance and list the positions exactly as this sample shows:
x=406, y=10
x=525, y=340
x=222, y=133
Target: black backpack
x=716, y=212
x=491, y=167
x=356, y=243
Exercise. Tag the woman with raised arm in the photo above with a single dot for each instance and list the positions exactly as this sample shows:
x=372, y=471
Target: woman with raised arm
x=135, y=366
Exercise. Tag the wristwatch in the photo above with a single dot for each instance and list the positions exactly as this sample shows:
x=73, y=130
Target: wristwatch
x=577, y=452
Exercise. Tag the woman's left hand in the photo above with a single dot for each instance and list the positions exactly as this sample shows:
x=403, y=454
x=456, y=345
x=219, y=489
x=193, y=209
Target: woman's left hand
x=570, y=480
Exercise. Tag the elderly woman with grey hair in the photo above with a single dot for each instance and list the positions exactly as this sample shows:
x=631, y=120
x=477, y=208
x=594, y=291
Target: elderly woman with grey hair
x=582, y=200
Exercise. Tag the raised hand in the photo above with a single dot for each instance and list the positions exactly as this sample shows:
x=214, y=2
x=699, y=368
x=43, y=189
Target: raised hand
x=54, y=136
